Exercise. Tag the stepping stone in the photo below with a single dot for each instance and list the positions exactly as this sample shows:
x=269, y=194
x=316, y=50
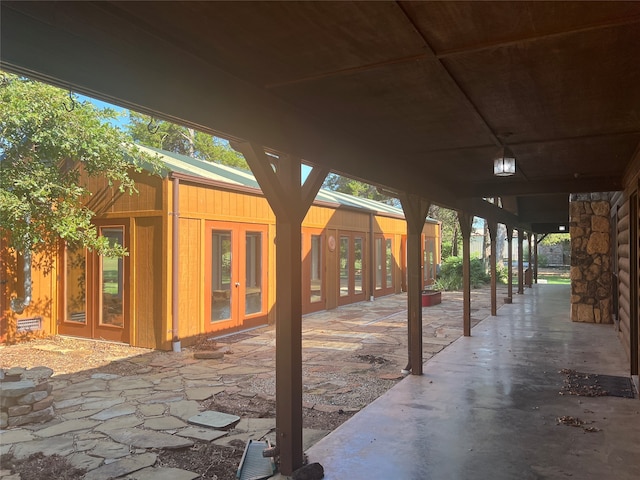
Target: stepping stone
x=15, y=436
x=105, y=376
x=159, y=473
x=110, y=450
x=146, y=439
x=118, y=423
x=184, y=409
x=62, y=446
x=214, y=419
x=208, y=355
x=113, y=412
x=202, y=393
x=66, y=427
x=122, y=467
x=199, y=433
x=84, y=461
x=164, y=423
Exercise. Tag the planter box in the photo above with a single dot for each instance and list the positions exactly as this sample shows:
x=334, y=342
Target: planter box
x=431, y=297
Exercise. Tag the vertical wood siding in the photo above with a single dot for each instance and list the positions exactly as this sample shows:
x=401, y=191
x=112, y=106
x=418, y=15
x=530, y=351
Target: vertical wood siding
x=149, y=321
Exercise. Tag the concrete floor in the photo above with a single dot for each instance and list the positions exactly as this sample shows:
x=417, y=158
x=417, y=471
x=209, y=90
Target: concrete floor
x=487, y=407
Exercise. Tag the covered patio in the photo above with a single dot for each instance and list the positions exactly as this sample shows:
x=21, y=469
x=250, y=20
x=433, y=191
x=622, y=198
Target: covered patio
x=489, y=405
x=417, y=98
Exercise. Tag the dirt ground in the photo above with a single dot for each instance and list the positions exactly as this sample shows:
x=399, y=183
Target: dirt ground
x=67, y=355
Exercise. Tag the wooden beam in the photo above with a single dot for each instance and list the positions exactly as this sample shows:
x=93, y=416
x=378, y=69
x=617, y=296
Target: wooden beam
x=521, y=235
x=466, y=221
x=290, y=201
x=493, y=233
x=529, y=260
x=535, y=261
x=415, y=212
x=510, y=264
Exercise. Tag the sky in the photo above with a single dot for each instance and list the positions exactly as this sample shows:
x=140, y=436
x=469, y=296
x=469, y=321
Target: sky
x=120, y=122
x=123, y=119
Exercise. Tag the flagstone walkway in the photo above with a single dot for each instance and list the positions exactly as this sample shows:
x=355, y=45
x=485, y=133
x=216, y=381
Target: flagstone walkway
x=111, y=425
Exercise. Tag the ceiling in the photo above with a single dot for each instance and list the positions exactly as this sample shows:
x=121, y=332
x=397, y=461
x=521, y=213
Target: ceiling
x=413, y=96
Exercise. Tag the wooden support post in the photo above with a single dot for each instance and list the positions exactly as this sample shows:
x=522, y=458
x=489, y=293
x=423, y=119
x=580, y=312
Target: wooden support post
x=493, y=233
x=530, y=260
x=290, y=200
x=466, y=221
x=415, y=212
x=521, y=236
x=510, y=264
x=535, y=261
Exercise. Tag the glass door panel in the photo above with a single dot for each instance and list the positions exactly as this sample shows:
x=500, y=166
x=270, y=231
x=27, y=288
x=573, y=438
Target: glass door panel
x=253, y=277
x=357, y=265
x=111, y=281
x=344, y=266
x=75, y=286
x=221, y=269
x=378, y=263
x=389, y=264
x=316, y=268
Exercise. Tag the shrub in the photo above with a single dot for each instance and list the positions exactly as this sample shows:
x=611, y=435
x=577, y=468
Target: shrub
x=451, y=274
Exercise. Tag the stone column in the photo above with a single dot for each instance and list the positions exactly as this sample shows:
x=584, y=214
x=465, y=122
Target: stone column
x=590, y=229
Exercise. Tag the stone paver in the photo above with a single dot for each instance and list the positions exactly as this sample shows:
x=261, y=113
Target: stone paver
x=66, y=427
x=156, y=473
x=113, y=412
x=84, y=461
x=213, y=419
x=201, y=433
x=164, y=423
x=148, y=439
x=15, y=436
x=61, y=445
x=122, y=467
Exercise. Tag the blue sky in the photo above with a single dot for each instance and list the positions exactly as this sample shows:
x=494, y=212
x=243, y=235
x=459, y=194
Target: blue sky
x=124, y=119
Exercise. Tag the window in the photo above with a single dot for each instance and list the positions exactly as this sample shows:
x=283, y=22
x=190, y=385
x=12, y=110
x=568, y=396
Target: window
x=75, y=286
x=316, y=268
x=253, y=280
x=357, y=265
x=344, y=266
x=220, y=275
x=111, y=281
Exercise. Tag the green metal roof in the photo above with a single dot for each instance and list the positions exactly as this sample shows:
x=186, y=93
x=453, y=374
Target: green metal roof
x=177, y=163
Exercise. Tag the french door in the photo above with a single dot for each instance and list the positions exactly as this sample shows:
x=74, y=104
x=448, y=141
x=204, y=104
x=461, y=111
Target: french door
x=95, y=291
x=384, y=265
x=351, y=267
x=313, y=269
x=235, y=276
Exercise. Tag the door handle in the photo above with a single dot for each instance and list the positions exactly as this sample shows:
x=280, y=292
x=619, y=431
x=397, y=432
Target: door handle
x=237, y=284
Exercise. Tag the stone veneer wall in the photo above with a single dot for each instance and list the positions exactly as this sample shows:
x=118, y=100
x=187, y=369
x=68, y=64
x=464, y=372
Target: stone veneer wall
x=591, y=275
x=26, y=400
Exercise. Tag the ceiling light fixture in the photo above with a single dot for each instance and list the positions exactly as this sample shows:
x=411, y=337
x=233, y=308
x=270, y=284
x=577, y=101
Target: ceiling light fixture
x=504, y=165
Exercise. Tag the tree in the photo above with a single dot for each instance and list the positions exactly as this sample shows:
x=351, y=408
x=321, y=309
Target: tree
x=183, y=140
x=451, y=238
x=47, y=141
x=555, y=238
x=347, y=185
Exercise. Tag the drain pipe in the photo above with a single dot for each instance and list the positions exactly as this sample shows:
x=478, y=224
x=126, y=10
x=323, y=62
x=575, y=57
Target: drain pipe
x=19, y=304
x=174, y=269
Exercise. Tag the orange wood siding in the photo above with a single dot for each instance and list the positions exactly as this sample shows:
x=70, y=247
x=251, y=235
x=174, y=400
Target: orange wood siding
x=191, y=275
x=214, y=204
x=107, y=200
x=43, y=293
x=148, y=319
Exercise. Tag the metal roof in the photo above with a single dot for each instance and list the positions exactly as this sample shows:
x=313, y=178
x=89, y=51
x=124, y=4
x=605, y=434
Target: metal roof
x=237, y=177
